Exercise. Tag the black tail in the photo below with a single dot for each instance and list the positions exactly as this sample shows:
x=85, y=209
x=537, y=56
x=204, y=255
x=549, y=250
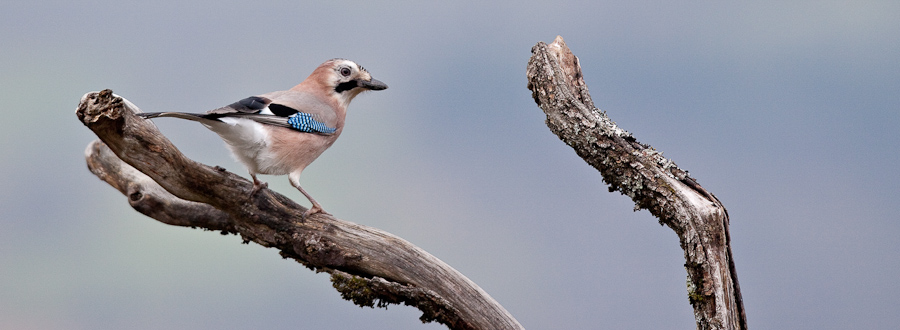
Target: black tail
x=182, y=115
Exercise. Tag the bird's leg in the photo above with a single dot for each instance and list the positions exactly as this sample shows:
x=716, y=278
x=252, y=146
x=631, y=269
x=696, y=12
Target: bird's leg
x=257, y=185
x=316, y=207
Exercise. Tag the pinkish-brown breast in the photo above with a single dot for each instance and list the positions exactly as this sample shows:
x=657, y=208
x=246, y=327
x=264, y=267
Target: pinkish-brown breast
x=291, y=151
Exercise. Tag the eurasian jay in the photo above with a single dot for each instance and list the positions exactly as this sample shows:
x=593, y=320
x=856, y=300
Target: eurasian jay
x=283, y=132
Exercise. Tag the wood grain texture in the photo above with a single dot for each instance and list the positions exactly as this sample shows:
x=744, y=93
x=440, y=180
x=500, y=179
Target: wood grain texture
x=649, y=179
x=368, y=266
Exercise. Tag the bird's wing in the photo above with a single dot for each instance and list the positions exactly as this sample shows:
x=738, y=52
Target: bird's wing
x=288, y=103
x=250, y=105
x=298, y=111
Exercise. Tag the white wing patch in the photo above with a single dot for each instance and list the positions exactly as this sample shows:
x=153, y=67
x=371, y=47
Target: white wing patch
x=266, y=111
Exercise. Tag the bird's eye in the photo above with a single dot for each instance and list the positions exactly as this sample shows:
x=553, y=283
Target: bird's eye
x=345, y=72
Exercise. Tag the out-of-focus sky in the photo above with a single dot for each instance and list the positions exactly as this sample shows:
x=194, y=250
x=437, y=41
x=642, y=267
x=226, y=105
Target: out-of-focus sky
x=788, y=112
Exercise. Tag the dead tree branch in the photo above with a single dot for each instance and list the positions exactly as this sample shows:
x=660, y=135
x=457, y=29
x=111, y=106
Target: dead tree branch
x=652, y=181
x=367, y=266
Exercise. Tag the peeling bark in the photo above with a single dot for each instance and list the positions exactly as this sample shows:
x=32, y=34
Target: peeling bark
x=368, y=266
x=649, y=179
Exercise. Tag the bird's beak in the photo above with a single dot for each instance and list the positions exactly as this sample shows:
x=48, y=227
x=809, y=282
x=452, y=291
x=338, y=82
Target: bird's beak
x=373, y=84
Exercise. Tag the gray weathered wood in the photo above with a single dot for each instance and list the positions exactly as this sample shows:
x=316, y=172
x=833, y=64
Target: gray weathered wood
x=368, y=266
x=652, y=181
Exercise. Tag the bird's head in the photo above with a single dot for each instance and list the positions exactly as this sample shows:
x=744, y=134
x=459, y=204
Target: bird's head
x=342, y=79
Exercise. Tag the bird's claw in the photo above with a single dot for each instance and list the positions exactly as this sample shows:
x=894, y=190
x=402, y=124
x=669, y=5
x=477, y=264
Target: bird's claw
x=257, y=186
x=316, y=209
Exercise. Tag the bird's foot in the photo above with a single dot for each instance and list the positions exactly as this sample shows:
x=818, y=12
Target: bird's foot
x=257, y=186
x=315, y=209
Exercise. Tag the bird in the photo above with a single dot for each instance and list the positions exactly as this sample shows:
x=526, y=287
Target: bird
x=283, y=132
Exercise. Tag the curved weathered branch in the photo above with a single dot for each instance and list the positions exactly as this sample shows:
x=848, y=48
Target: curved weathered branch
x=652, y=181
x=368, y=266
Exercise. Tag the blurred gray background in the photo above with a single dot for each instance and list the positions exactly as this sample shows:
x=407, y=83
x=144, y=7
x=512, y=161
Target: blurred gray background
x=789, y=113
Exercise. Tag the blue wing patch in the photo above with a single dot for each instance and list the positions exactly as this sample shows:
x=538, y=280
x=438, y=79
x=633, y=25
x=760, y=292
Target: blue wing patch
x=305, y=122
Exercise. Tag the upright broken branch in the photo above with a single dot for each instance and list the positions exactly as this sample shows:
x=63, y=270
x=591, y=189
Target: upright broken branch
x=368, y=266
x=652, y=181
